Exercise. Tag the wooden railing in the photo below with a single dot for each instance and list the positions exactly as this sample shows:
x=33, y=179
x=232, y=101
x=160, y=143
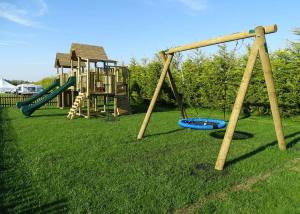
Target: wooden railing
x=10, y=100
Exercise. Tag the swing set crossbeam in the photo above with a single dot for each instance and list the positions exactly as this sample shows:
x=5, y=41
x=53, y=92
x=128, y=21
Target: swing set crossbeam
x=259, y=48
x=223, y=39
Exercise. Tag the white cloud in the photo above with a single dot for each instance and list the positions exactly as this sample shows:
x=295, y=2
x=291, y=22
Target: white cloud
x=194, y=5
x=22, y=16
x=12, y=13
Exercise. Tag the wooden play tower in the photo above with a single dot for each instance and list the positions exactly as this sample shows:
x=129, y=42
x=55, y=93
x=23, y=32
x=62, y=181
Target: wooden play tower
x=97, y=79
x=91, y=78
x=259, y=48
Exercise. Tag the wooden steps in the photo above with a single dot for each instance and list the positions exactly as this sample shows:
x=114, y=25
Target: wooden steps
x=76, y=105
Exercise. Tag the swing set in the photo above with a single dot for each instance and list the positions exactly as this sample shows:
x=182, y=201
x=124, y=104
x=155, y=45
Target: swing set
x=209, y=123
x=260, y=48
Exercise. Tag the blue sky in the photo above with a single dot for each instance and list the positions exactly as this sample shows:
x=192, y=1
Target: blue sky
x=32, y=31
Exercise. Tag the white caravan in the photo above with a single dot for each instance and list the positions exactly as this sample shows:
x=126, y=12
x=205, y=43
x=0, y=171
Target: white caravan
x=28, y=89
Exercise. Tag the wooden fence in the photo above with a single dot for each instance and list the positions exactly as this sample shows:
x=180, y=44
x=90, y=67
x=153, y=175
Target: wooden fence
x=10, y=100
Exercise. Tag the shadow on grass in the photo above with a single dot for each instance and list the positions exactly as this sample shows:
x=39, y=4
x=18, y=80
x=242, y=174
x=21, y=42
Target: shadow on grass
x=164, y=133
x=264, y=147
x=17, y=191
x=244, y=116
x=142, y=108
x=238, y=135
x=45, y=108
x=49, y=115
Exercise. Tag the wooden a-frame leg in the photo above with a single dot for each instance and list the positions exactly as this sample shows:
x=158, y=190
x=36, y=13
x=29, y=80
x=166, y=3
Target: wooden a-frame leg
x=236, y=109
x=267, y=69
x=155, y=96
x=88, y=105
x=177, y=96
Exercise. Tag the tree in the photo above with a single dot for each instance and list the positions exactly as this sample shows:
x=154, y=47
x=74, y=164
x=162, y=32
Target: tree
x=45, y=82
x=136, y=73
x=17, y=82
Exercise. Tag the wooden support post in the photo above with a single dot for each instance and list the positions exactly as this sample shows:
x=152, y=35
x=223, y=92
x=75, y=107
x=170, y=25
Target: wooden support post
x=116, y=74
x=88, y=107
x=95, y=103
x=88, y=87
x=78, y=80
x=95, y=77
x=104, y=103
x=61, y=83
x=267, y=69
x=73, y=87
x=177, y=96
x=116, y=71
x=115, y=106
x=155, y=96
x=59, y=96
x=237, y=108
x=79, y=75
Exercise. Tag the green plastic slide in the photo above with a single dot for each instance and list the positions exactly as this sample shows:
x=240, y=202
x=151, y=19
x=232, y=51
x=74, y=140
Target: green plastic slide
x=29, y=109
x=38, y=95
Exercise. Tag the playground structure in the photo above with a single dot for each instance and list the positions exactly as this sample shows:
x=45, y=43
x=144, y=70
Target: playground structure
x=91, y=78
x=260, y=48
x=105, y=81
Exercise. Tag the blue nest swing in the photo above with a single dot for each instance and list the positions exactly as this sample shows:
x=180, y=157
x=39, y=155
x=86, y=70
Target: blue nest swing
x=202, y=123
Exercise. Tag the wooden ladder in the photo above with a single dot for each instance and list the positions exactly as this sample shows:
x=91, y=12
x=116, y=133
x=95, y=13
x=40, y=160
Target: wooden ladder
x=75, y=107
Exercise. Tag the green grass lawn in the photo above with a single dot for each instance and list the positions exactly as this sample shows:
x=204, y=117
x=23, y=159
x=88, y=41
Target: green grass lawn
x=49, y=164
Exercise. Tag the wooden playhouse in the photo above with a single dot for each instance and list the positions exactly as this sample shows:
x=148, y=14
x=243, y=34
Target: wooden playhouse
x=101, y=84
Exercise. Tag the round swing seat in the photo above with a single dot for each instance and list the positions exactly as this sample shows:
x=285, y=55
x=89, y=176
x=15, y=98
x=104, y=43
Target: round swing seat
x=201, y=123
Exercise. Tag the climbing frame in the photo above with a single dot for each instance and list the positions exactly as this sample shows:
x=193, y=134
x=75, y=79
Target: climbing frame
x=99, y=78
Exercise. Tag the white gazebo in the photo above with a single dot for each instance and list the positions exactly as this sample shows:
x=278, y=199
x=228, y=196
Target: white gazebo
x=6, y=87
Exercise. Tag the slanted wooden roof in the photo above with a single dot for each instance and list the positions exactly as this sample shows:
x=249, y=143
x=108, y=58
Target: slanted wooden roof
x=91, y=52
x=63, y=60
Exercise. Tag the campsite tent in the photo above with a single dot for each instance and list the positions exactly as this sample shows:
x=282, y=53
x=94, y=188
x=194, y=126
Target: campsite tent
x=6, y=87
